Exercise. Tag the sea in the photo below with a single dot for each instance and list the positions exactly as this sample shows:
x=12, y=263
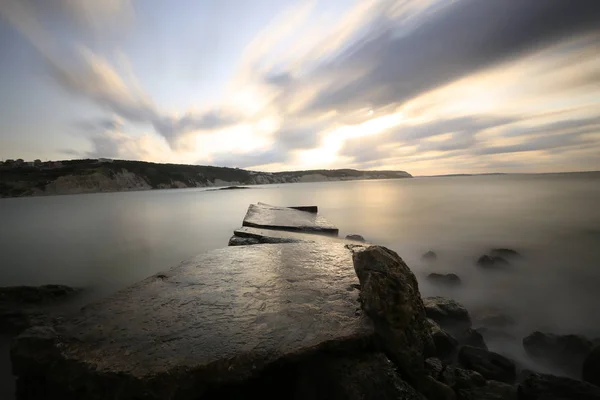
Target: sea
x=104, y=242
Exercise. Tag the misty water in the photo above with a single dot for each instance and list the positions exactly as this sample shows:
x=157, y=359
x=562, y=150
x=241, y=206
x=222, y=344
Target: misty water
x=103, y=242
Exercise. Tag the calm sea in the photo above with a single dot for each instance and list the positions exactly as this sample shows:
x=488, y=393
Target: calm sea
x=104, y=242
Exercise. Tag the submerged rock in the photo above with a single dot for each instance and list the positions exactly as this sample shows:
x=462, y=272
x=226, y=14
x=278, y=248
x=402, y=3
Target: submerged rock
x=242, y=241
x=24, y=306
x=489, y=364
x=429, y=256
x=563, y=352
x=486, y=261
x=473, y=338
x=356, y=238
x=450, y=314
x=591, y=367
x=444, y=279
x=505, y=253
x=550, y=387
x=493, y=317
x=390, y=296
x=217, y=320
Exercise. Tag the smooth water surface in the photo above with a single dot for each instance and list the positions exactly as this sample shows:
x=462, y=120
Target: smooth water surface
x=106, y=241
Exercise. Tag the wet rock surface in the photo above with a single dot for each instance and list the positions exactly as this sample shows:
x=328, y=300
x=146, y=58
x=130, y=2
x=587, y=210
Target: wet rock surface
x=258, y=235
x=444, y=279
x=220, y=318
x=563, y=352
x=591, y=367
x=242, y=241
x=390, y=297
x=287, y=219
x=24, y=306
x=550, y=387
x=489, y=364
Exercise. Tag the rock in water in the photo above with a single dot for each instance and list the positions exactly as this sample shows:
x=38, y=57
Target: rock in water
x=216, y=320
x=434, y=367
x=492, y=390
x=356, y=238
x=429, y=256
x=445, y=344
x=242, y=241
x=591, y=367
x=450, y=314
x=287, y=219
x=489, y=364
x=485, y=261
x=550, y=387
x=505, y=253
x=563, y=352
x=458, y=378
x=24, y=306
x=390, y=296
x=444, y=279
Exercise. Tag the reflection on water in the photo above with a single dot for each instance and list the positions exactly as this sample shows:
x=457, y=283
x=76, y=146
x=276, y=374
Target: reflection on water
x=107, y=241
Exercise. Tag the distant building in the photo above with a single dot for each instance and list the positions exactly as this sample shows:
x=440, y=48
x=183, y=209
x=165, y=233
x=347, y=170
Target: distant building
x=109, y=160
x=18, y=162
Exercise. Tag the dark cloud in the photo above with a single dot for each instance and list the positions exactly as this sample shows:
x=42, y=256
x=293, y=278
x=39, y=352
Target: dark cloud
x=249, y=159
x=454, y=42
x=551, y=142
x=99, y=125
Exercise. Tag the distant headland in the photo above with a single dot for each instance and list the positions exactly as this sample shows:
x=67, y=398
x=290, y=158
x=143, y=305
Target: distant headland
x=37, y=178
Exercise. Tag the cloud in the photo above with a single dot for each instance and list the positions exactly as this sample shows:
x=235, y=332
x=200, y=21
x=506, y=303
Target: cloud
x=100, y=124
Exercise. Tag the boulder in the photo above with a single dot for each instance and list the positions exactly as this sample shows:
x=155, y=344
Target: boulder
x=445, y=344
x=492, y=317
x=436, y=390
x=24, y=306
x=429, y=256
x=390, y=296
x=495, y=334
x=458, y=378
x=434, y=367
x=444, y=279
x=448, y=313
x=218, y=320
x=492, y=390
x=591, y=367
x=356, y=238
x=550, y=387
x=565, y=353
x=471, y=337
x=489, y=364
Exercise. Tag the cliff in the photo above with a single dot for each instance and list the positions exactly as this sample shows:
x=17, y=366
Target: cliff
x=92, y=176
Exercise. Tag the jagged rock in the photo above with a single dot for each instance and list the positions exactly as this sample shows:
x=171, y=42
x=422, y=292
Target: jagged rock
x=591, y=367
x=470, y=337
x=429, y=256
x=24, y=306
x=356, y=238
x=505, y=253
x=550, y=387
x=492, y=390
x=448, y=313
x=486, y=261
x=489, y=364
x=220, y=319
x=563, y=352
x=434, y=367
x=458, y=378
x=444, y=279
x=390, y=296
x=445, y=344
x=242, y=241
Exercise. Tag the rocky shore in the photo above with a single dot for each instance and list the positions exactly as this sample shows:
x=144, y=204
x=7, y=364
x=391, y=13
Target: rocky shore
x=290, y=310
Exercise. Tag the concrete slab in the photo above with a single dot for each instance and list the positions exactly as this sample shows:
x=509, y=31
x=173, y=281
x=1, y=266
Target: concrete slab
x=247, y=235
x=311, y=209
x=287, y=219
x=219, y=318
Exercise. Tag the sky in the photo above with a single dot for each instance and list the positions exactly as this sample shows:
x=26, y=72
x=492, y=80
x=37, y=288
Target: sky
x=426, y=86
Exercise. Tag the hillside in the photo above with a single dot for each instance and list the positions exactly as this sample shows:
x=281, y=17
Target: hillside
x=91, y=176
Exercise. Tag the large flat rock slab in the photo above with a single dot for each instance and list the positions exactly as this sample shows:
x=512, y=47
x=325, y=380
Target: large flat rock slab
x=219, y=318
x=259, y=236
x=287, y=219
